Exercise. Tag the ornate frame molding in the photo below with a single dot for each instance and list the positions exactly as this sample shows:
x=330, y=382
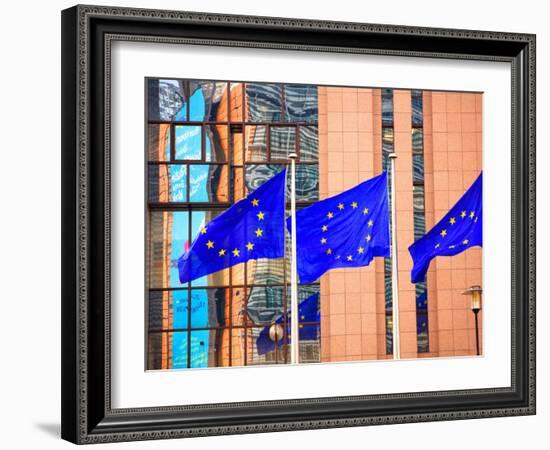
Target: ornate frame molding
x=87, y=421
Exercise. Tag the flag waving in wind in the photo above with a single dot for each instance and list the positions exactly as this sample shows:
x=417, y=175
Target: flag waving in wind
x=250, y=229
x=347, y=230
x=460, y=229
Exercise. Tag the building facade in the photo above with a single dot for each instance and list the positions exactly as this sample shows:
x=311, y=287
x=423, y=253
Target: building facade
x=211, y=143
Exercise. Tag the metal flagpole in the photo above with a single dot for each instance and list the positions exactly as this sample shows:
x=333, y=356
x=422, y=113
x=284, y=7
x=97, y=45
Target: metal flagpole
x=394, y=283
x=294, y=331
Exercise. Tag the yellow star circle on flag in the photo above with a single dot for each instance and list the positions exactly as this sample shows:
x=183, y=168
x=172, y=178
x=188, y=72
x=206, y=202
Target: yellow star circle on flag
x=210, y=244
x=259, y=232
x=236, y=252
x=250, y=246
x=255, y=202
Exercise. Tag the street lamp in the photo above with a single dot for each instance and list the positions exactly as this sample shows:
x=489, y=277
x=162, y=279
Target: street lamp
x=276, y=332
x=475, y=298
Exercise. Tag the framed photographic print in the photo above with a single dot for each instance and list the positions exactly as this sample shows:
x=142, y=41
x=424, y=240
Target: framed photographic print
x=254, y=208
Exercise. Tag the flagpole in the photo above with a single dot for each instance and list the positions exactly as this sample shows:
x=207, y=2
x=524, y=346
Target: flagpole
x=294, y=331
x=394, y=284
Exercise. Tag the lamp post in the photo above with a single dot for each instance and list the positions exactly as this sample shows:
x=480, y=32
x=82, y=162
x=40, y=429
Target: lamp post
x=475, y=298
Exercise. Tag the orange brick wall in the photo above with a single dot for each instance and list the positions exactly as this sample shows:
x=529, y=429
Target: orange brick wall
x=353, y=325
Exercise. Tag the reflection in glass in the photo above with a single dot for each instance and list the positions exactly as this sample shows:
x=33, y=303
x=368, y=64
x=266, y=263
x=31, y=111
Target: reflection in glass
x=207, y=308
x=158, y=142
x=206, y=101
x=263, y=102
x=387, y=107
x=258, y=174
x=422, y=317
x=277, y=356
x=167, y=183
x=168, y=240
x=236, y=102
x=307, y=182
x=301, y=103
x=266, y=271
x=166, y=100
x=208, y=183
x=265, y=304
x=419, y=212
x=188, y=142
x=216, y=143
x=256, y=143
x=416, y=100
x=283, y=142
x=418, y=156
x=309, y=143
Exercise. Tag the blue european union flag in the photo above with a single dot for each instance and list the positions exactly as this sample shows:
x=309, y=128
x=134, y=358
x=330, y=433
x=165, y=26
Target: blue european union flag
x=250, y=229
x=308, y=309
x=460, y=229
x=347, y=230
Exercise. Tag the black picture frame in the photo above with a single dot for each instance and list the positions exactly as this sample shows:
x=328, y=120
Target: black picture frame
x=87, y=33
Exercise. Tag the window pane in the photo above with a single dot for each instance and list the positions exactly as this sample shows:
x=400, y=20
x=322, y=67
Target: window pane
x=208, y=307
x=236, y=104
x=166, y=100
x=389, y=334
x=158, y=142
x=416, y=100
x=208, y=102
x=418, y=211
x=266, y=271
x=237, y=146
x=307, y=182
x=238, y=184
x=256, y=143
x=387, y=108
x=262, y=349
x=301, y=103
x=204, y=348
x=167, y=183
x=418, y=156
x=263, y=102
x=180, y=349
x=189, y=142
x=283, y=142
x=208, y=183
x=169, y=237
x=258, y=174
x=309, y=144
x=217, y=143
x=237, y=302
x=266, y=304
